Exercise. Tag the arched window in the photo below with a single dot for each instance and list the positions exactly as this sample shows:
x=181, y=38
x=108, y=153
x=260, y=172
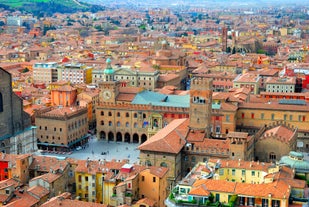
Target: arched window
x=135, y=115
x=127, y=114
x=118, y=114
x=163, y=164
x=127, y=124
x=118, y=124
x=148, y=163
x=1, y=102
x=102, y=122
x=109, y=113
x=135, y=125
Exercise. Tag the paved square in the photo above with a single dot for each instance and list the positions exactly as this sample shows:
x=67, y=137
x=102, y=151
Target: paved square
x=102, y=149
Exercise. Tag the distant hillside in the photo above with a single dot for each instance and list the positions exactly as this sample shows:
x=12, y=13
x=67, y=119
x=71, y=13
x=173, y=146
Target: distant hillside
x=48, y=7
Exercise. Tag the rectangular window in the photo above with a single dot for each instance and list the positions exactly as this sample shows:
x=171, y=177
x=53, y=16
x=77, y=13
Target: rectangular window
x=252, y=115
x=304, y=118
x=299, y=117
x=252, y=173
x=233, y=171
x=221, y=172
x=262, y=115
x=227, y=118
x=154, y=179
x=272, y=116
x=242, y=115
x=243, y=172
x=285, y=117
x=143, y=178
x=291, y=117
x=86, y=178
x=79, y=178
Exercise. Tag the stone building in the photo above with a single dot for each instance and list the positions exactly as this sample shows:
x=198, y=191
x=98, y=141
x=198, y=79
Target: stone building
x=62, y=128
x=45, y=72
x=16, y=134
x=274, y=141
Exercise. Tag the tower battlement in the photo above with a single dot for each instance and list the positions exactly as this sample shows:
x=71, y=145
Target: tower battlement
x=201, y=83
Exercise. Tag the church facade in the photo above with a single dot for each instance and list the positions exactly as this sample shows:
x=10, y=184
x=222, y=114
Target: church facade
x=16, y=133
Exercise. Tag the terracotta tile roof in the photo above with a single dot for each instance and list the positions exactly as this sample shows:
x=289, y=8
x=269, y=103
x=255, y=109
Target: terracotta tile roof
x=9, y=182
x=48, y=177
x=277, y=189
x=280, y=131
x=60, y=201
x=200, y=190
x=146, y=201
x=3, y=197
x=45, y=164
x=167, y=77
x=228, y=107
x=126, y=97
x=65, y=111
x=195, y=136
x=23, y=200
x=66, y=88
x=216, y=185
x=241, y=164
x=38, y=191
x=130, y=90
x=158, y=171
x=281, y=80
x=247, y=78
x=96, y=166
x=170, y=139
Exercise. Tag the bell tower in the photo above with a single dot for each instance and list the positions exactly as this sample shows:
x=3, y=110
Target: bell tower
x=109, y=87
x=200, y=105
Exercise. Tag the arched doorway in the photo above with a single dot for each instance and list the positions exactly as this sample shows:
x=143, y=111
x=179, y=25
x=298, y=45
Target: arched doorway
x=143, y=138
x=102, y=135
x=118, y=137
x=127, y=137
x=135, y=138
x=110, y=136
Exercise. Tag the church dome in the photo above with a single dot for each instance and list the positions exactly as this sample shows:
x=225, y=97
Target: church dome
x=296, y=161
x=108, y=70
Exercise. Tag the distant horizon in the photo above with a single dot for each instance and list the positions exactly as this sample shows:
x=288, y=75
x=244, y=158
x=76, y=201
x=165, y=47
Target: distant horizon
x=254, y=3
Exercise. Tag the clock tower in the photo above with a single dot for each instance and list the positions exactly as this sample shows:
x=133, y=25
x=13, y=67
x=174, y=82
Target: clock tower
x=109, y=87
x=200, y=105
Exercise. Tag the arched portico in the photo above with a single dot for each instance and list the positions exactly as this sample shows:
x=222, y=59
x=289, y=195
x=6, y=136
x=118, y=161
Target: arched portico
x=119, y=137
x=143, y=138
x=110, y=136
x=135, y=138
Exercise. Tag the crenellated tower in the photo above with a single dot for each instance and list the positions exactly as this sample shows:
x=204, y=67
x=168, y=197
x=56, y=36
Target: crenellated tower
x=200, y=105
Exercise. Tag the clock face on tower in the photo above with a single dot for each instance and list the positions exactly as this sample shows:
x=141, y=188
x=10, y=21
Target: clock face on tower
x=107, y=95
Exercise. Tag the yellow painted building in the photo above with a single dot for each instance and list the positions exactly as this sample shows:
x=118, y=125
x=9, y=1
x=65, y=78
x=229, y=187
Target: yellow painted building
x=153, y=184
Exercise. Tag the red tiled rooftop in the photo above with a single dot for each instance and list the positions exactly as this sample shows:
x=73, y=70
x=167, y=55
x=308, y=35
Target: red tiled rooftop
x=170, y=139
